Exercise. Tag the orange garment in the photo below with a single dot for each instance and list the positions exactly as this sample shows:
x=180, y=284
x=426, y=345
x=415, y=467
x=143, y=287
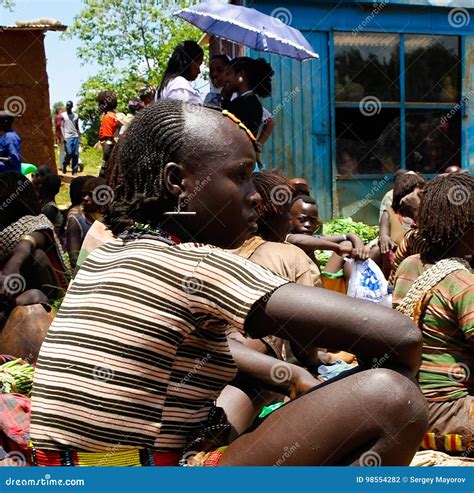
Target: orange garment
x=108, y=125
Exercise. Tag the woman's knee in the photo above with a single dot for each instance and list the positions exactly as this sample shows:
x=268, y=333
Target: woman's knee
x=395, y=396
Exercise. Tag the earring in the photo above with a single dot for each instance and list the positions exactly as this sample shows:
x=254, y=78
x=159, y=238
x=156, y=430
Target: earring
x=241, y=79
x=179, y=212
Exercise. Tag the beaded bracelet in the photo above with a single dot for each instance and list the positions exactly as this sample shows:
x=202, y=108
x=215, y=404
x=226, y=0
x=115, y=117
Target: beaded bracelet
x=31, y=239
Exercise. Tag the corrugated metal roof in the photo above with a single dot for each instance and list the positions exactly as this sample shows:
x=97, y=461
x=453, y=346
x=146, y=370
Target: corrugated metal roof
x=36, y=27
x=38, y=24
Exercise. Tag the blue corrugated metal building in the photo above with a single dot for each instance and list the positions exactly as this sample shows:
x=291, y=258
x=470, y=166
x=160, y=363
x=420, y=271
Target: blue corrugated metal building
x=393, y=88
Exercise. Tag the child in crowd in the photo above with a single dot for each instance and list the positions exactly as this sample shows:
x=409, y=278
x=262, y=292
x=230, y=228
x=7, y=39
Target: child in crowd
x=79, y=222
x=436, y=289
x=50, y=187
x=149, y=304
x=304, y=222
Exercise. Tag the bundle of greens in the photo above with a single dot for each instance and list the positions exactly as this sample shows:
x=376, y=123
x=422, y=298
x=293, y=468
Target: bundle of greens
x=347, y=225
x=342, y=226
x=17, y=376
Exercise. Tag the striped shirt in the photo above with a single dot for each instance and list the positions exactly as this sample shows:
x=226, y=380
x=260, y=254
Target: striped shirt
x=447, y=365
x=138, y=351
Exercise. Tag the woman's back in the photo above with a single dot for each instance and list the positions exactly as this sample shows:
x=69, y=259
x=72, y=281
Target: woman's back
x=140, y=330
x=447, y=323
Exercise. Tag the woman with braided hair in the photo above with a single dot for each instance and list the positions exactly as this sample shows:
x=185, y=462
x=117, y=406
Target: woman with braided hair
x=436, y=289
x=149, y=311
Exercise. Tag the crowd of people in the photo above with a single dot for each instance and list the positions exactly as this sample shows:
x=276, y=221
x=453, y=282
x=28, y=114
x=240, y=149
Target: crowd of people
x=197, y=325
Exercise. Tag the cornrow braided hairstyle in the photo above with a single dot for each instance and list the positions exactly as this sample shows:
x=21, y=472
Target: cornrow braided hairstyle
x=275, y=190
x=446, y=213
x=155, y=137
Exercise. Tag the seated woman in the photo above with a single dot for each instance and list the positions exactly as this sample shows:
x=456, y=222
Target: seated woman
x=269, y=249
x=28, y=244
x=304, y=222
x=149, y=311
x=33, y=270
x=436, y=289
x=79, y=223
x=393, y=225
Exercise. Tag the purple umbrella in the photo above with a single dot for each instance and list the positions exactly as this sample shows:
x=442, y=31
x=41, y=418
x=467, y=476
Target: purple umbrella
x=249, y=27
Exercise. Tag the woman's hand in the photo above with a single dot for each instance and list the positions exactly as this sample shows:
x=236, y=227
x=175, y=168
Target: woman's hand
x=302, y=381
x=386, y=244
x=344, y=250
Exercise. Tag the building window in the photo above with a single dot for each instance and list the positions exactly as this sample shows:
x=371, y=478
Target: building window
x=375, y=98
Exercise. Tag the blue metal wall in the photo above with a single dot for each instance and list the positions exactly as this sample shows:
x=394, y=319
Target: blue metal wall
x=303, y=140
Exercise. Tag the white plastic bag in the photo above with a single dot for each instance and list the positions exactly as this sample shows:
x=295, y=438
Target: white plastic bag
x=367, y=281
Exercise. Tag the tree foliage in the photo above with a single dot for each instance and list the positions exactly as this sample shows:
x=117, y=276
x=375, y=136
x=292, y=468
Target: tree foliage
x=7, y=4
x=131, y=40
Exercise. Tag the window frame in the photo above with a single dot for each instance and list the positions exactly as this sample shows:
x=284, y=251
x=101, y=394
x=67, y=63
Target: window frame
x=403, y=105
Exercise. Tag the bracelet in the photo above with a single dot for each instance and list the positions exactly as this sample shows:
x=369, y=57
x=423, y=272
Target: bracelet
x=31, y=239
x=344, y=237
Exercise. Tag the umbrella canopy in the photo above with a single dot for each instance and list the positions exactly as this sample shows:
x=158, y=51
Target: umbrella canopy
x=248, y=27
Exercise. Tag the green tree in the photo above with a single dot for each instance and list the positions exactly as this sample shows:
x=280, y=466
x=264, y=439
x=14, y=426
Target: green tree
x=7, y=4
x=131, y=40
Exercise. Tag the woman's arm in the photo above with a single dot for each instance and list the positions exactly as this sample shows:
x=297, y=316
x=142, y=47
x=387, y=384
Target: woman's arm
x=269, y=373
x=319, y=317
x=22, y=252
x=267, y=130
x=74, y=241
x=311, y=243
x=385, y=242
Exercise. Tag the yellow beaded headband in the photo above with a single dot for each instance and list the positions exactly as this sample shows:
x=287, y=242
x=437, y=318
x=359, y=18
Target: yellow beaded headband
x=257, y=145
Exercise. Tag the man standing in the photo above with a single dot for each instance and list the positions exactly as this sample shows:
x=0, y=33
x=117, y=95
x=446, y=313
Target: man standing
x=10, y=144
x=71, y=135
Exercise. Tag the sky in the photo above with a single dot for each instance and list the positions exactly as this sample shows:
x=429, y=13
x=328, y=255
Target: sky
x=64, y=68
x=65, y=72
